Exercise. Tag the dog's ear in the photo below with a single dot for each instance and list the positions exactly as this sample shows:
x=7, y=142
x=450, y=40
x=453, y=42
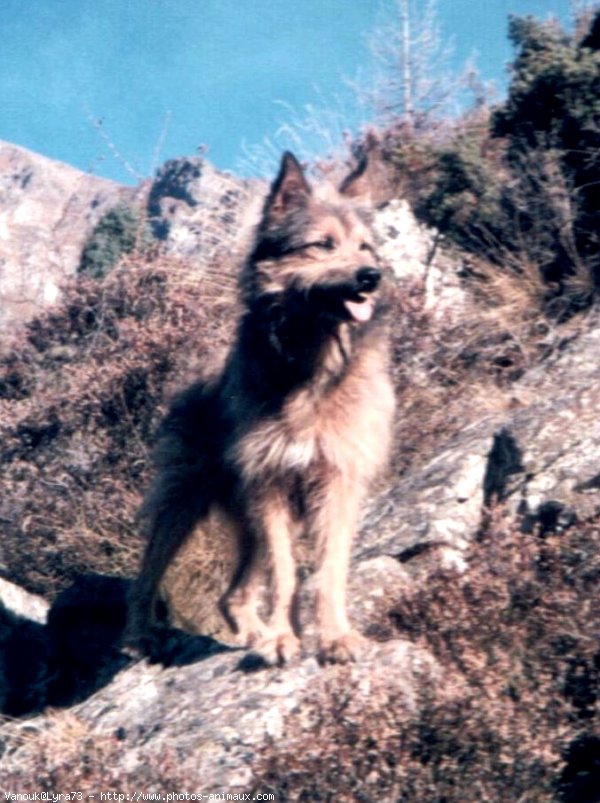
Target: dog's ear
x=356, y=185
x=290, y=189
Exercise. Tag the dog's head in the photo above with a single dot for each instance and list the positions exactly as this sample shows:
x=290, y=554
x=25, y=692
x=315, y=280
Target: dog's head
x=315, y=246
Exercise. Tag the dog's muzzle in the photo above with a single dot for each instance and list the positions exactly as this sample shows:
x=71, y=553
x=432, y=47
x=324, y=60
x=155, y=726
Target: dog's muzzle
x=361, y=306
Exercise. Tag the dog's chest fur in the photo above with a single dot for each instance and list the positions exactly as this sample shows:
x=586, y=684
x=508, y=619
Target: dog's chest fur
x=333, y=425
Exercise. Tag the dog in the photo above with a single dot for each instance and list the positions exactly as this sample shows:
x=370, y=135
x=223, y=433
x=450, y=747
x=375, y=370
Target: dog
x=286, y=441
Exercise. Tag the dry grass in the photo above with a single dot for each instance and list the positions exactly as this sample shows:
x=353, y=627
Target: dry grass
x=450, y=367
x=66, y=755
x=516, y=715
x=80, y=395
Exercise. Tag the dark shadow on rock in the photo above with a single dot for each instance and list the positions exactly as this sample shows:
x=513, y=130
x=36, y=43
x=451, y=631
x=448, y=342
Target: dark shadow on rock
x=85, y=624
x=504, y=461
x=580, y=778
x=593, y=483
x=170, y=646
x=27, y=664
x=551, y=517
x=416, y=550
x=252, y=662
x=78, y=651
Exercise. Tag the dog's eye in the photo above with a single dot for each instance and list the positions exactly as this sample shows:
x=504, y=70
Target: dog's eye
x=328, y=243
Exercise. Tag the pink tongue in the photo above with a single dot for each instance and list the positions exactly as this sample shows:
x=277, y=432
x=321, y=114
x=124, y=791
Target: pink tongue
x=360, y=310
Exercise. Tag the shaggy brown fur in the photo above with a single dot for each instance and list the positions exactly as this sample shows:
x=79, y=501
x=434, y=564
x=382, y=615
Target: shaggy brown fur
x=288, y=438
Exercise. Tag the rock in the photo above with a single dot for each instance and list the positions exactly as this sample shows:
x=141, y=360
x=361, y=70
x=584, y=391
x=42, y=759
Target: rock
x=22, y=603
x=412, y=251
x=47, y=211
x=221, y=717
x=540, y=459
x=439, y=505
x=557, y=429
x=196, y=210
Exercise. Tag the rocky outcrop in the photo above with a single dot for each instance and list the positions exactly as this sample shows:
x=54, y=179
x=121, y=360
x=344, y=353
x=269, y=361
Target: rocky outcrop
x=47, y=211
x=413, y=253
x=240, y=710
x=539, y=458
x=197, y=210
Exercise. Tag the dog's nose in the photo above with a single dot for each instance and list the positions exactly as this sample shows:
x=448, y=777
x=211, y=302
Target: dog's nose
x=368, y=278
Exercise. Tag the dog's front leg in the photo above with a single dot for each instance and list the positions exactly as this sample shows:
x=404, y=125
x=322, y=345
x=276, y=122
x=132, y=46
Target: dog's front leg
x=271, y=519
x=335, y=521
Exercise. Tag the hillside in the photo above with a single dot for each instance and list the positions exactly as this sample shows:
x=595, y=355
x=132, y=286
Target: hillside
x=475, y=574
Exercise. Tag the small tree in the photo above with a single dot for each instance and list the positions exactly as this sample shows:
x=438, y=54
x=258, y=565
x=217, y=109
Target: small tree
x=412, y=79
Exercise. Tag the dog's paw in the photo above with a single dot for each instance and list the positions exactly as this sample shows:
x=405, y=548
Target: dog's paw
x=342, y=649
x=277, y=649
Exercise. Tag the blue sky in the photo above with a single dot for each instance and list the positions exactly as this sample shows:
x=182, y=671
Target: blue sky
x=166, y=76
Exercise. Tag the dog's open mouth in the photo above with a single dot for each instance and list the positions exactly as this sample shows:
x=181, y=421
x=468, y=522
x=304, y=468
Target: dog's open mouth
x=360, y=308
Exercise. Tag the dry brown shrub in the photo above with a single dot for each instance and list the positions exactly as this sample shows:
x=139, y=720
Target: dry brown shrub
x=67, y=756
x=81, y=392
x=519, y=628
x=448, y=367
x=515, y=716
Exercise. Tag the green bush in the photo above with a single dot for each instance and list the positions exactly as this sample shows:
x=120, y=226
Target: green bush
x=116, y=233
x=465, y=202
x=552, y=115
x=520, y=186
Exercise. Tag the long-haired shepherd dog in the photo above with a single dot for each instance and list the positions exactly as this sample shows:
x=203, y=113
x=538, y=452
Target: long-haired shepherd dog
x=287, y=439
